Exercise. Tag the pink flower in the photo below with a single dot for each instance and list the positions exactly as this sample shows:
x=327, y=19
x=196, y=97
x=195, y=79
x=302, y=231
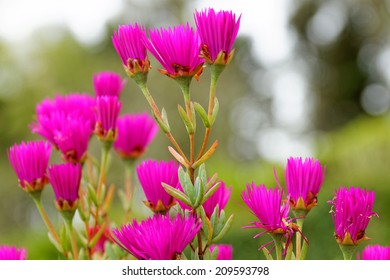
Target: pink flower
x=220, y=198
x=267, y=206
x=218, y=32
x=157, y=238
x=29, y=161
x=135, y=132
x=107, y=112
x=376, y=252
x=108, y=83
x=303, y=182
x=73, y=139
x=151, y=174
x=225, y=251
x=129, y=43
x=12, y=253
x=351, y=213
x=74, y=105
x=177, y=49
x=65, y=180
x=67, y=123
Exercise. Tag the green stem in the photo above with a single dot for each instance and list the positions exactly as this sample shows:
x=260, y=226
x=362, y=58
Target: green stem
x=72, y=236
x=348, y=251
x=36, y=196
x=278, y=245
x=216, y=71
x=129, y=169
x=103, y=167
x=298, y=240
x=156, y=111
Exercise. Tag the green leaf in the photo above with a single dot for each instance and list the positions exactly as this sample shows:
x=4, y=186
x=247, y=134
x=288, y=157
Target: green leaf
x=215, y=218
x=193, y=115
x=199, y=191
x=202, y=114
x=92, y=194
x=187, y=122
x=210, y=192
x=215, y=111
x=165, y=118
x=161, y=123
x=224, y=230
x=186, y=184
x=177, y=194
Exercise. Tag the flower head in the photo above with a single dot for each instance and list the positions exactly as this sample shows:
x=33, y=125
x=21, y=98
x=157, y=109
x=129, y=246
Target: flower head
x=129, y=43
x=218, y=31
x=225, y=251
x=151, y=175
x=52, y=112
x=303, y=182
x=29, y=161
x=351, y=213
x=108, y=83
x=73, y=138
x=376, y=252
x=177, y=49
x=107, y=112
x=135, y=132
x=65, y=180
x=12, y=253
x=267, y=206
x=158, y=237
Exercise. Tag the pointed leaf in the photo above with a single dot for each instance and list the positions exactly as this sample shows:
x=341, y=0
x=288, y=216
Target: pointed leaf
x=161, y=123
x=177, y=194
x=210, y=192
x=178, y=157
x=187, y=122
x=165, y=118
x=185, y=182
x=224, y=230
x=202, y=114
x=215, y=111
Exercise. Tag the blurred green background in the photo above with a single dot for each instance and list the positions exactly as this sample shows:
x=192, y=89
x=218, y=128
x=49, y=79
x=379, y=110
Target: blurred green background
x=324, y=94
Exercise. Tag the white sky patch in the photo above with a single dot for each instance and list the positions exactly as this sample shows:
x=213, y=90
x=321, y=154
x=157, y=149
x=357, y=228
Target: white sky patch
x=85, y=18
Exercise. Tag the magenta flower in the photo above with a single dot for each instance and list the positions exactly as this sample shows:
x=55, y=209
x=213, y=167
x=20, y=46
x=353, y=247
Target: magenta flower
x=129, y=43
x=151, y=174
x=107, y=112
x=177, y=49
x=65, y=179
x=73, y=139
x=267, y=206
x=220, y=198
x=29, y=161
x=303, y=182
x=376, y=252
x=225, y=251
x=74, y=105
x=217, y=31
x=157, y=238
x=351, y=213
x=135, y=132
x=12, y=253
x=108, y=83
